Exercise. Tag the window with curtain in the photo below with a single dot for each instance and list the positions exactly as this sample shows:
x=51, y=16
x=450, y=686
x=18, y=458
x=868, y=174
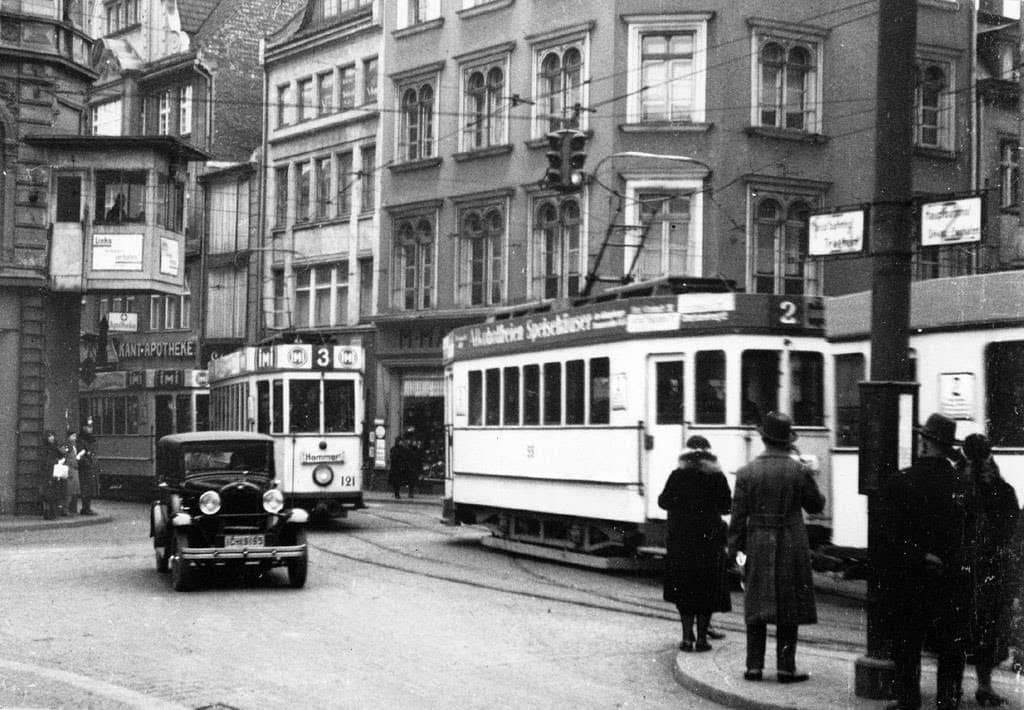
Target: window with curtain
x=787, y=73
x=416, y=139
x=413, y=274
x=481, y=256
x=560, y=84
x=557, y=253
x=781, y=263
x=484, y=108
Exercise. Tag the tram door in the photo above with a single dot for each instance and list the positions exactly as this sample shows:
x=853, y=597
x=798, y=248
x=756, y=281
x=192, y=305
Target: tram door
x=665, y=423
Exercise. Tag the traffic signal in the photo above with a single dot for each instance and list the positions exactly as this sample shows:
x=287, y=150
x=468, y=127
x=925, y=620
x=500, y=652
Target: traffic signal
x=566, y=156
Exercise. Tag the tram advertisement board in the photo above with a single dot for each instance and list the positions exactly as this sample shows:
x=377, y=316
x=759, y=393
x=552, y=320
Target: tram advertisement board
x=653, y=316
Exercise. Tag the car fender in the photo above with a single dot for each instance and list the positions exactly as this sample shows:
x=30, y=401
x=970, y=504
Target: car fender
x=158, y=521
x=181, y=520
x=298, y=516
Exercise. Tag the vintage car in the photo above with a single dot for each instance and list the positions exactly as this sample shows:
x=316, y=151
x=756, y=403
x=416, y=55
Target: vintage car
x=218, y=505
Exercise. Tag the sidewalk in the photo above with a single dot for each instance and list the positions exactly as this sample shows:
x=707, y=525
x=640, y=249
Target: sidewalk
x=20, y=523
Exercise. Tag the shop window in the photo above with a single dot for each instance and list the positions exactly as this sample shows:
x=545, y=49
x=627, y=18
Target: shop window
x=599, y=390
x=120, y=196
x=510, y=396
x=552, y=393
x=531, y=395
x=759, y=380
x=492, y=393
x=709, y=371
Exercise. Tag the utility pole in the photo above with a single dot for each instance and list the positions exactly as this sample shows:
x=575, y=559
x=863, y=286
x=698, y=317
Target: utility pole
x=883, y=409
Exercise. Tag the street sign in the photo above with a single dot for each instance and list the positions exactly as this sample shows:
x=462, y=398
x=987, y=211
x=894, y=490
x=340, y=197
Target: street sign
x=836, y=233
x=951, y=222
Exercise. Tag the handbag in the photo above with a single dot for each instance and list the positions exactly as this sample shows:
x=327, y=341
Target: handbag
x=60, y=470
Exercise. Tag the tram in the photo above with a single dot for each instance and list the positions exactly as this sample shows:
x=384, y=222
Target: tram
x=564, y=424
x=309, y=399
x=967, y=353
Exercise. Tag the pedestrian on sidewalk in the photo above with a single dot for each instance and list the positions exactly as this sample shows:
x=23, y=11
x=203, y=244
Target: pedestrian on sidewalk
x=51, y=487
x=927, y=527
x=996, y=519
x=86, y=466
x=73, y=492
x=696, y=497
x=404, y=466
x=768, y=527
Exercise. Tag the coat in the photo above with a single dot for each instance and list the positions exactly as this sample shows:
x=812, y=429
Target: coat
x=926, y=509
x=405, y=466
x=696, y=496
x=50, y=489
x=768, y=526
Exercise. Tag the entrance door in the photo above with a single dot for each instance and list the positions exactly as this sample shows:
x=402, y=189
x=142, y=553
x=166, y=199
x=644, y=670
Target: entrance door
x=164, y=416
x=665, y=423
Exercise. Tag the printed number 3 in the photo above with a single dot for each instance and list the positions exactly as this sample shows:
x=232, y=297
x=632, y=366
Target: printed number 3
x=323, y=357
x=787, y=313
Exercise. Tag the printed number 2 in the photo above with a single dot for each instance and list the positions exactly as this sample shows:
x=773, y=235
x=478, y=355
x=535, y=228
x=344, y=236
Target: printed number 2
x=787, y=314
x=323, y=357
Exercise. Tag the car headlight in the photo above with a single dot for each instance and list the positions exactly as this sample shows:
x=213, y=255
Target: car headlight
x=273, y=501
x=323, y=475
x=209, y=502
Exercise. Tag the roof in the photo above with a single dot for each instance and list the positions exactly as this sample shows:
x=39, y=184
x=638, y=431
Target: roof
x=202, y=437
x=171, y=145
x=193, y=13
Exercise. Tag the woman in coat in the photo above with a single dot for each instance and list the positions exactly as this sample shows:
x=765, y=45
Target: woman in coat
x=74, y=489
x=696, y=495
x=995, y=525
x=51, y=489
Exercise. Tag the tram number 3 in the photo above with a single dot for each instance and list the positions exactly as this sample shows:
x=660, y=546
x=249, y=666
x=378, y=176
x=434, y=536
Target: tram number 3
x=322, y=357
x=789, y=313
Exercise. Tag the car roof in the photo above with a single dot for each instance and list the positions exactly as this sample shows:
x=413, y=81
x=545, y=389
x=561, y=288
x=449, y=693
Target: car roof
x=200, y=437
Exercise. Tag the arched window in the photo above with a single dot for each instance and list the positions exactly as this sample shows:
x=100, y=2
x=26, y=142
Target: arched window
x=561, y=82
x=557, y=262
x=787, y=91
x=932, y=89
x=417, y=123
x=781, y=263
x=413, y=285
x=482, y=264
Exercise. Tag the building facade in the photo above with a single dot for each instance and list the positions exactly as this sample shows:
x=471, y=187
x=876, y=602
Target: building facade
x=321, y=180
x=712, y=135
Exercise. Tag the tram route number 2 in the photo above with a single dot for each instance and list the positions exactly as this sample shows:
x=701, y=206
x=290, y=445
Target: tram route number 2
x=788, y=312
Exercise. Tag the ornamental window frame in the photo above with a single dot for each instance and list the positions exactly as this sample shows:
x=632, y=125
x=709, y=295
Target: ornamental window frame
x=414, y=260
x=791, y=41
x=417, y=113
x=558, y=247
x=485, y=109
x=640, y=26
x=691, y=186
x=481, y=248
x=935, y=101
x=554, y=86
x=790, y=222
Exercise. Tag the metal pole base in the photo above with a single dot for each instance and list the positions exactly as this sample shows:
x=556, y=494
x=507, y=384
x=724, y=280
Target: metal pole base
x=873, y=678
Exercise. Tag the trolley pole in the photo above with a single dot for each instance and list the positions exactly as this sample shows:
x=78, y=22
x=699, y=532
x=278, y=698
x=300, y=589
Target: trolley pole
x=891, y=242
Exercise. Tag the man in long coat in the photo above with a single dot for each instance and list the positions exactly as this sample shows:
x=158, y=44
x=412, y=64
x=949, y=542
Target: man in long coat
x=768, y=527
x=927, y=526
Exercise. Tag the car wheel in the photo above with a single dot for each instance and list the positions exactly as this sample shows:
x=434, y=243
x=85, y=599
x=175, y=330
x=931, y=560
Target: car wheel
x=297, y=568
x=182, y=575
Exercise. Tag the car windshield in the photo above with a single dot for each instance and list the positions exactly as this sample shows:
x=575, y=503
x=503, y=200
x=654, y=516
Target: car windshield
x=227, y=457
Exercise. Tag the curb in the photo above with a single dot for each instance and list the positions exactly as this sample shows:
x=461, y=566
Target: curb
x=719, y=696
x=70, y=522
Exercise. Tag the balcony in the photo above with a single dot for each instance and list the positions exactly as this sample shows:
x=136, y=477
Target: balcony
x=116, y=212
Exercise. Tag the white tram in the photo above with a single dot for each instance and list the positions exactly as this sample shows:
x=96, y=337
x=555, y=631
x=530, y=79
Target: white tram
x=309, y=398
x=564, y=425
x=967, y=350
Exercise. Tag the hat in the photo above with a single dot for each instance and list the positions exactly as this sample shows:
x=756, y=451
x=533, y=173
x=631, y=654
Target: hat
x=697, y=442
x=778, y=428
x=940, y=429
x=977, y=447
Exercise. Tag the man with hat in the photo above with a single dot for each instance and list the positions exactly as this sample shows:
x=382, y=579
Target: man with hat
x=926, y=523
x=768, y=527
x=86, y=465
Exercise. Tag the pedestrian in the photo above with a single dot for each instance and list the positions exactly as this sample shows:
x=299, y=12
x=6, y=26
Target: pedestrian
x=87, y=466
x=926, y=528
x=414, y=466
x=398, y=462
x=995, y=525
x=73, y=491
x=51, y=486
x=768, y=527
x=696, y=497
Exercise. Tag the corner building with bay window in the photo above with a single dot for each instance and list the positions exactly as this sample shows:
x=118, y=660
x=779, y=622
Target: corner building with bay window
x=714, y=131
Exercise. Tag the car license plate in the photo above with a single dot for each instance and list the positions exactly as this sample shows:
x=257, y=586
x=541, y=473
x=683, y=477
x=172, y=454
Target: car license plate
x=244, y=540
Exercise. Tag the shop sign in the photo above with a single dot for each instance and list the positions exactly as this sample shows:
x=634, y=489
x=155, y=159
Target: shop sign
x=951, y=222
x=122, y=322
x=117, y=252
x=167, y=349
x=836, y=233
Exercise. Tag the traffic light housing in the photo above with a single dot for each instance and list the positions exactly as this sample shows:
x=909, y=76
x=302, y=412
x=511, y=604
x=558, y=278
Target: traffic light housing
x=566, y=156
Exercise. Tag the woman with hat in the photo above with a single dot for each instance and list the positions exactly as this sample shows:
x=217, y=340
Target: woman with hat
x=696, y=497
x=772, y=491
x=927, y=524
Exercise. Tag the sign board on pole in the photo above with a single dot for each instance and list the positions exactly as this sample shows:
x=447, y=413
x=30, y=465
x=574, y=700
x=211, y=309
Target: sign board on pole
x=836, y=233
x=951, y=222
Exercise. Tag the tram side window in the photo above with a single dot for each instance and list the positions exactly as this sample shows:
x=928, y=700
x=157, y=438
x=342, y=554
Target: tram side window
x=669, y=392
x=759, y=379
x=599, y=390
x=492, y=392
x=476, y=398
x=709, y=370
x=575, y=394
x=511, y=396
x=806, y=388
x=339, y=406
x=263, y=407
x=113, y=415
x=553, y=393
x=304, y=412
x=277, y=407
x=531, y=394
x=1004, y=378
x=849, y=372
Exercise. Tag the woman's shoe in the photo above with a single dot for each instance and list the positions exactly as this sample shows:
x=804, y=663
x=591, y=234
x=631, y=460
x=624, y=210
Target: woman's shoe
x=752, y=674
x=702, y=646
x=787, y=677
x=988, y=699
x=686, y=646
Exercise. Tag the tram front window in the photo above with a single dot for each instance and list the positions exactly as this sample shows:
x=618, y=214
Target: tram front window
x=305, y=406
x=759, y=378
x=339, y=406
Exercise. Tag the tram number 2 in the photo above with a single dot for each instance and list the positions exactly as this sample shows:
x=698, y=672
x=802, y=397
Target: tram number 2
x=788, y=312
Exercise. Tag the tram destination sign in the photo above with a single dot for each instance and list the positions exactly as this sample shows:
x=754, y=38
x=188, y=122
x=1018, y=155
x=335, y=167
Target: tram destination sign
x=654, y=316
x=295, y=356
